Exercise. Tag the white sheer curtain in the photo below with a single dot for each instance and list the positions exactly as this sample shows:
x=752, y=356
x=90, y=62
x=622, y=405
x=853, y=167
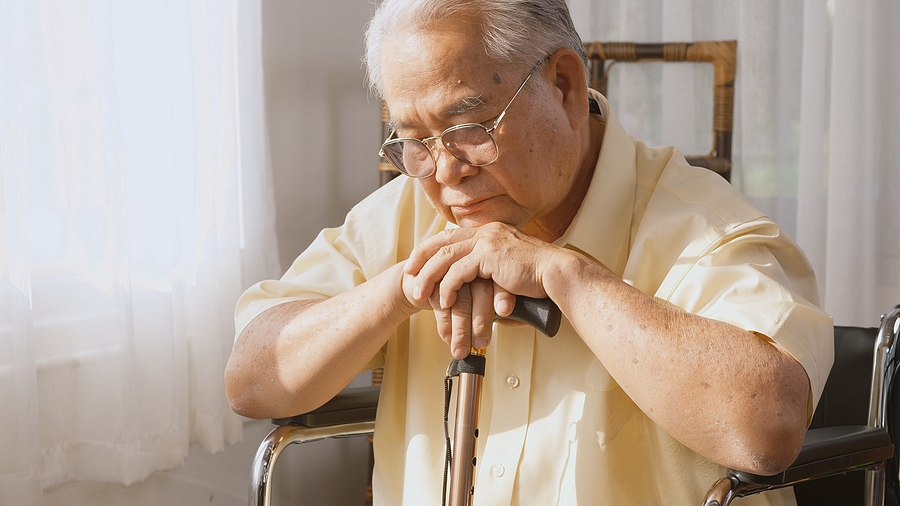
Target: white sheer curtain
x=817, y=121
x=849, y=220
x=122, y=214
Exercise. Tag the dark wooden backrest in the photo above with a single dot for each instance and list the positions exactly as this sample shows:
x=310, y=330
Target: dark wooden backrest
x=722, y=55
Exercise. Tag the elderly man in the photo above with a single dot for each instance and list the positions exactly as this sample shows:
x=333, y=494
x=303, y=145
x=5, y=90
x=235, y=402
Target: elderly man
x=691, y=338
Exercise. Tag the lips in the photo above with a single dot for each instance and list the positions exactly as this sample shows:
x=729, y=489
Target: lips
x=469, y=207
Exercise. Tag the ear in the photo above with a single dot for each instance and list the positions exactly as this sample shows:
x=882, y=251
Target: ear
x=565, y=71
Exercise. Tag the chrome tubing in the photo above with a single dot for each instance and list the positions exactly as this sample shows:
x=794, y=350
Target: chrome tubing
x=721, y=493
x=277, y=440
x=885, y=349
x=882, y=376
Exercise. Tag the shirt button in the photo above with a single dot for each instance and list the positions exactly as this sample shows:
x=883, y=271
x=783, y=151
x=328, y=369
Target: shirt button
x=512, y=381
x=498, y=470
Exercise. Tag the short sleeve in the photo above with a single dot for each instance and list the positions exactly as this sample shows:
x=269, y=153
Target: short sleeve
x=756, y=278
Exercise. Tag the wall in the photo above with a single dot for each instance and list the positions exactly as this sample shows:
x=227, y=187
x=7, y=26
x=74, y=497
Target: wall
x=324, y=130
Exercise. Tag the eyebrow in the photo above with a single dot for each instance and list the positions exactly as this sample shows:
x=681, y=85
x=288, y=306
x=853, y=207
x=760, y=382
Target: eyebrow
x=464, y=106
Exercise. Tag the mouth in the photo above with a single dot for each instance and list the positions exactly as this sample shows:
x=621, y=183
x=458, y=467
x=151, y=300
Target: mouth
x=469, y=207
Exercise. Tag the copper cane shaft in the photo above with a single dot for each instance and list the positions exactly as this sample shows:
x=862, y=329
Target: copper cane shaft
x=462, y=467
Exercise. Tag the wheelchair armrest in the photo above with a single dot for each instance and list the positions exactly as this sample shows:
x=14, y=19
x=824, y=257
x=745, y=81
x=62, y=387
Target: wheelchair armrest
x=351, y=405
x=828, y=451
x=349, y=413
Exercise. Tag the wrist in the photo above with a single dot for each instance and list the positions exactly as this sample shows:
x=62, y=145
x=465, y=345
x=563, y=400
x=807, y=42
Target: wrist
x=568, y=270
x=402, y=288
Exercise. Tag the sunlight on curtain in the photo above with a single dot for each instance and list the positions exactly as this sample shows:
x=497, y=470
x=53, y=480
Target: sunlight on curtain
x=828, y=179
x=848, y=220
x=121, y=202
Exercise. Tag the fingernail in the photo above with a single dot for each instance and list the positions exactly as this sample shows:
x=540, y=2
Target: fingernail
x=443, y=306
x=417, y=292
x=480, y=343
x=503, y=307
x=406, y=266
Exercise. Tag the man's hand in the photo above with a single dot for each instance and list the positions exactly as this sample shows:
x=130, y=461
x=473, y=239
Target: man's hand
x=468, y=274
x=466, y=323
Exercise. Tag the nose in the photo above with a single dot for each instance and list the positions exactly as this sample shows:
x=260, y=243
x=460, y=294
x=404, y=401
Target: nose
x=449, y=170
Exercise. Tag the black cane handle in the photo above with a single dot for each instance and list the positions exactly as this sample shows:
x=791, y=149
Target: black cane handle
x=542, y=314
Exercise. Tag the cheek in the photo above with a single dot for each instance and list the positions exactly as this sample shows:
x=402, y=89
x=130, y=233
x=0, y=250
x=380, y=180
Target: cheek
x=548, y=161
x=433, y=192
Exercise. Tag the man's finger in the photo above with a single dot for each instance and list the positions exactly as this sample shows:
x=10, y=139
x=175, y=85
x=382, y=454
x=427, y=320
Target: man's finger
x=482, y=312
x=461, y=315
x=504, y=302
x=430, y=247
x=444, y=320
x=434, y=271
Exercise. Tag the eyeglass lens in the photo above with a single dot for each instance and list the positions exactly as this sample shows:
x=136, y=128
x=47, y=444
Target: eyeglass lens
x=471, y=144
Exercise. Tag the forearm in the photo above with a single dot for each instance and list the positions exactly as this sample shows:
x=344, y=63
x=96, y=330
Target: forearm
x=722, y=391
x=296, y=356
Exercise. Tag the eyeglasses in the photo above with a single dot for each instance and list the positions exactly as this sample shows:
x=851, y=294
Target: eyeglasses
x=471, y=143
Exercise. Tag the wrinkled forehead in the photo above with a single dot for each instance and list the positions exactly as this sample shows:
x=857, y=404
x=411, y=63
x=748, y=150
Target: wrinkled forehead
x=442, y=69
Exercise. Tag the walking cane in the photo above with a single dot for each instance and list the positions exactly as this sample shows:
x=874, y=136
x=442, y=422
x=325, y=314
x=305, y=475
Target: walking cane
x=544, y=315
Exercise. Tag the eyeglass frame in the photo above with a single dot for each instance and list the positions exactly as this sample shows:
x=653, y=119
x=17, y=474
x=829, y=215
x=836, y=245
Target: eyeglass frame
x=489, y=131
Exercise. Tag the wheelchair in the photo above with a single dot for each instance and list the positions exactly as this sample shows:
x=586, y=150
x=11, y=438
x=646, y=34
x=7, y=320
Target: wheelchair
x=848, y=456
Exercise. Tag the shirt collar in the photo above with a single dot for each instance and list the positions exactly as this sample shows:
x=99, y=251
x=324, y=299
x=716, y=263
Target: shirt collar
x=602, y=227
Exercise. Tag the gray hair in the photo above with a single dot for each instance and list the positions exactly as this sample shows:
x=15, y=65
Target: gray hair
x=514, y=32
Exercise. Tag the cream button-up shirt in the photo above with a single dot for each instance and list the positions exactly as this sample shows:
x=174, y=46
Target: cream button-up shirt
x=555, y=427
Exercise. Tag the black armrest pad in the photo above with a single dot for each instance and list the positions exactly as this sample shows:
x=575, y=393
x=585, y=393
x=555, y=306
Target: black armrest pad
x=831, y=450
x=826, y=442
x=352, y=405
